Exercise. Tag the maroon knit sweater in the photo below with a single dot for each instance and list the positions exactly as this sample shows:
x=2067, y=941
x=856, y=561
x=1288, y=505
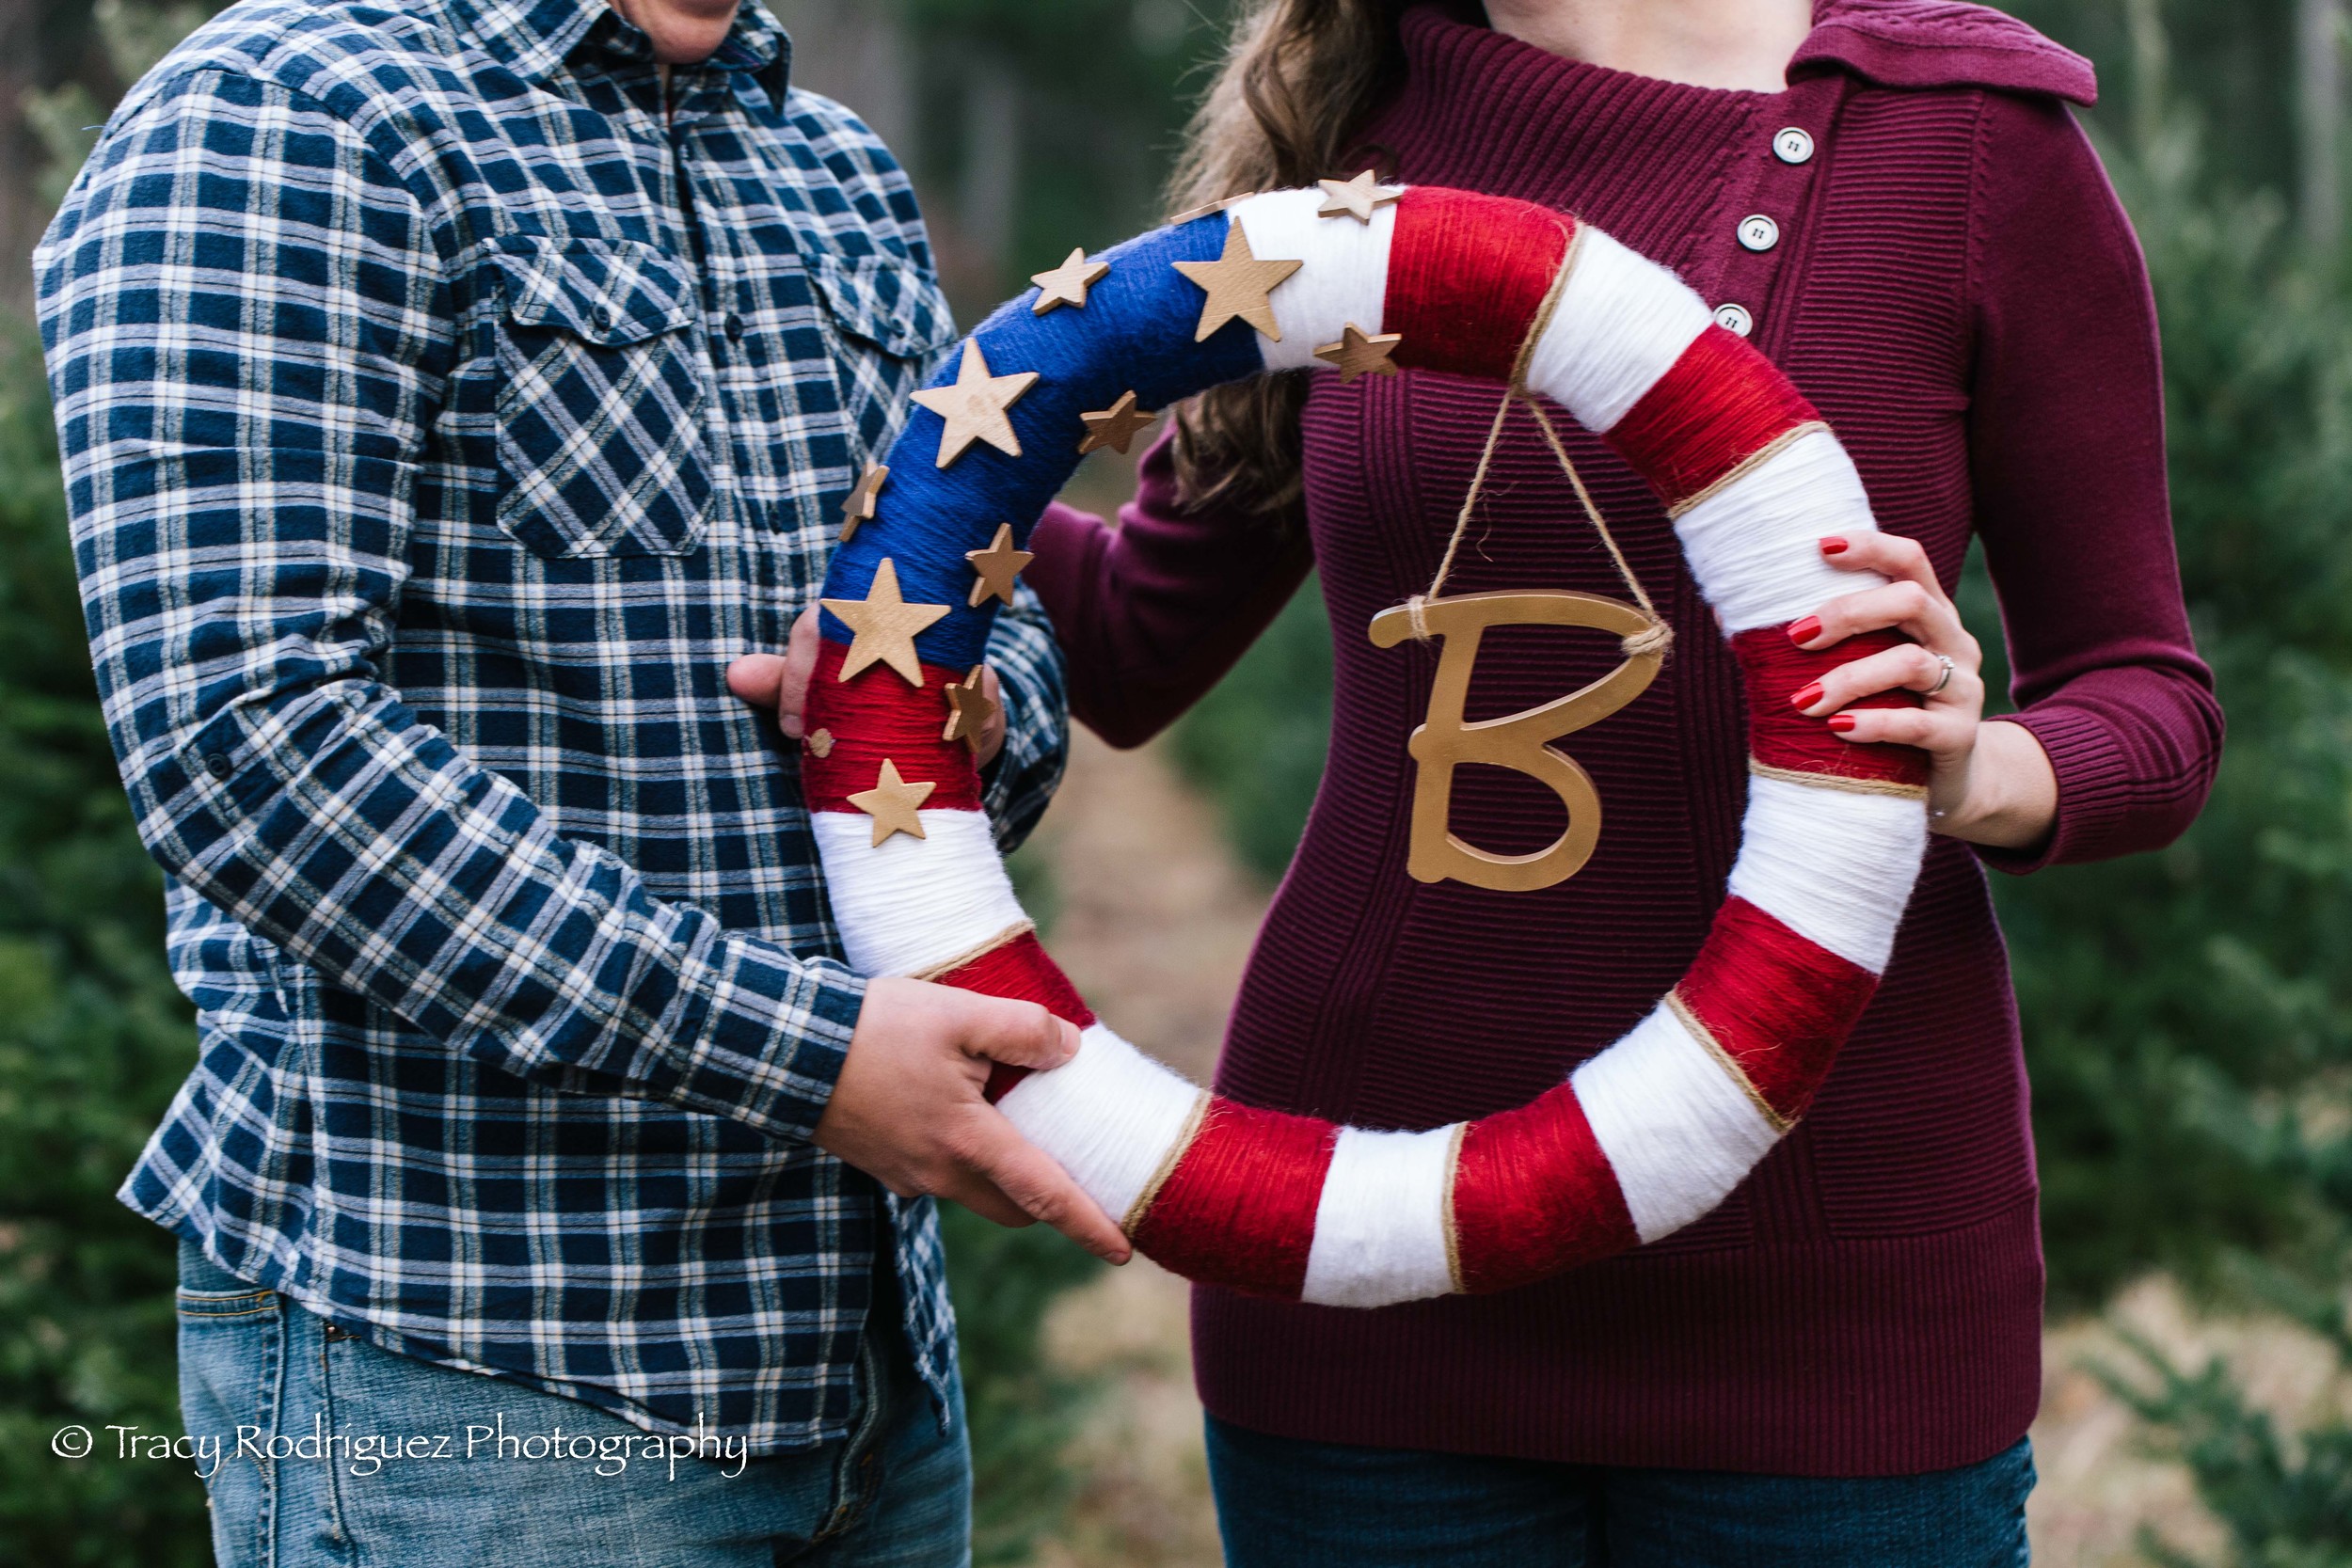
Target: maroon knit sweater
x=1957, y=289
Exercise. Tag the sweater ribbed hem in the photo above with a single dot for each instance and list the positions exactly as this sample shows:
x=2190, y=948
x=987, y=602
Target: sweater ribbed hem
x=1877, y=1358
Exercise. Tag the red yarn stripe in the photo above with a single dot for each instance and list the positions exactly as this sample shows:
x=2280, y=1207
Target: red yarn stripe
x=1022, y=969
x=1778, y=1005
x=1534, y=1194
x=878, y=715
x=1466, y=273
x=1720, y=404
x=1780, y=737
x=1239, y=1209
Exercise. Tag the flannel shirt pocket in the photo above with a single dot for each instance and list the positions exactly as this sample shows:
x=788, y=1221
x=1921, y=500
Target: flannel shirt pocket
x=601, y=401
x=884, y=301
x=880, y=303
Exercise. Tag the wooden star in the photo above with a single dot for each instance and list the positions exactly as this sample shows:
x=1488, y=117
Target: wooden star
x=858, y=506
x=975, y=406
x=1116, y=426
x=1237, y=285
x=1207, y=207
x=1356, y=198
x=1360, y=353
x=820, y=742
x=884, y=626
x=892, y=803
x=997, y=565
x=968, y=710
x=1067, y=284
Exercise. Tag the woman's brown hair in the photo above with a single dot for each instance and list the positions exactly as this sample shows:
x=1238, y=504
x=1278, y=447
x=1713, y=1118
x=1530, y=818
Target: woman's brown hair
x=1300, y=79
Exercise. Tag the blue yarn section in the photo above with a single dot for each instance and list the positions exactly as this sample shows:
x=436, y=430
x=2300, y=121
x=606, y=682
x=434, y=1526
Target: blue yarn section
x=1135, y=333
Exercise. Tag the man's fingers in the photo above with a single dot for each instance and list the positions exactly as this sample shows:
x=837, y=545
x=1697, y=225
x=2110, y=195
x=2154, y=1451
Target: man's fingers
x=1031, y=1178
x=992, y=733
x=978, y=1195
x=800, y=664
x=779, y=682
x=1019, y=1034
x=757, y=678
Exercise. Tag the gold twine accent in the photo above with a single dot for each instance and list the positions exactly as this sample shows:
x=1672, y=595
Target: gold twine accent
x=1657, y=637
x=1453, y=1231
x=1133, y=1219
x=1724, y=1059
x=1839, y=782
x=1010, y=934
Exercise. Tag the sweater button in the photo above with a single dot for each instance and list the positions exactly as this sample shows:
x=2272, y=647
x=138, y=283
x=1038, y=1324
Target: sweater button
x=1793, y=146
x=1758, y=232
x=1735, y=318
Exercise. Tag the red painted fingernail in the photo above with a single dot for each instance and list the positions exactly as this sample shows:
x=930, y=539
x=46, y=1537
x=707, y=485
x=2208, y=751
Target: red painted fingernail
x=1841, y=722
x=1806, y=698
x=1833, y=545
x=1805, y=631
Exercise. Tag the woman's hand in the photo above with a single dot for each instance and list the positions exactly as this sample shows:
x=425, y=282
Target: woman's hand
x=1988, y=784
x=768, y=680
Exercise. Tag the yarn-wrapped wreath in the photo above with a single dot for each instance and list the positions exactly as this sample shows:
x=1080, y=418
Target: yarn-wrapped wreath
x=1644, y=1137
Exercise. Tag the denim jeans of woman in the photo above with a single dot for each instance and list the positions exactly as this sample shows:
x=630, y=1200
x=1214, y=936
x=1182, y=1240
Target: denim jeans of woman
x=1284, y=1503
x=439, y=1468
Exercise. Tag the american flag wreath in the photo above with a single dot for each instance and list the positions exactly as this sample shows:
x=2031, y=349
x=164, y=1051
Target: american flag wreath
x=1643, y=1138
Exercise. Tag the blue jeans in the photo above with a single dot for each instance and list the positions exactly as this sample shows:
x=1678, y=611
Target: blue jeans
x=359, y=1458
x=1281, y=1501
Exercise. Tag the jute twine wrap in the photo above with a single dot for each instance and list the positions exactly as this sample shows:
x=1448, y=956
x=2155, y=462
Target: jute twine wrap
x=1657, y=637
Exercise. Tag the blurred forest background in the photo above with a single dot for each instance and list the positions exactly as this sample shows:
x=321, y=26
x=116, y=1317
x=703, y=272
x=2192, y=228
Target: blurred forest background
x=2188, y=1016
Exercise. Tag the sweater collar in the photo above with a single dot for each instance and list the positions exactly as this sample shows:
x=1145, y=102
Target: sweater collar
x=1939, y=44
x=1889, y=43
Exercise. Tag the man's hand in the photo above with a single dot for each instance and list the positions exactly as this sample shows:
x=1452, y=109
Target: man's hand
x=907, y=1109
x=766, y=680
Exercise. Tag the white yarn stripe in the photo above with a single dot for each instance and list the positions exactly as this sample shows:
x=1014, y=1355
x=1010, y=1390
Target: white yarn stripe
x=1754, y=545
x=1110, y=1115
x=1833, y=866
x=909, y=903
x=1679, y=1132
x=1346, y=278
x=1380, y=1229
x=1621, y=323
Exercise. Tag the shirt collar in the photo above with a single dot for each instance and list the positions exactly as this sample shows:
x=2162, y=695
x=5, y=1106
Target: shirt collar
x=533, y=38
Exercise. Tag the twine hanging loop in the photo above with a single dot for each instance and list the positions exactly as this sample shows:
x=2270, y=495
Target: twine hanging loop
x=1659, y=637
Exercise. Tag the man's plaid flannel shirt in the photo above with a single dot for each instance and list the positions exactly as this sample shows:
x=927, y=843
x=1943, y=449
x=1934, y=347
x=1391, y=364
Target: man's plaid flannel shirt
x=440, y=419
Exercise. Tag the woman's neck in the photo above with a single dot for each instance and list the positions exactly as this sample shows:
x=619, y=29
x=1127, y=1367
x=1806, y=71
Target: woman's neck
x=1706, y=43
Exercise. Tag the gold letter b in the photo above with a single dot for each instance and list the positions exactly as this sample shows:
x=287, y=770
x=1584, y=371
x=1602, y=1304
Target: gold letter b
x=1516, y=740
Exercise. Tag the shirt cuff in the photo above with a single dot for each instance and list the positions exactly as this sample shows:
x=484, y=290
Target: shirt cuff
x=2094, y=797
x=763, y=1034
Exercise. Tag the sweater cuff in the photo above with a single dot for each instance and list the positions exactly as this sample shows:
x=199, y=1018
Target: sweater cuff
x=2094, y=798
